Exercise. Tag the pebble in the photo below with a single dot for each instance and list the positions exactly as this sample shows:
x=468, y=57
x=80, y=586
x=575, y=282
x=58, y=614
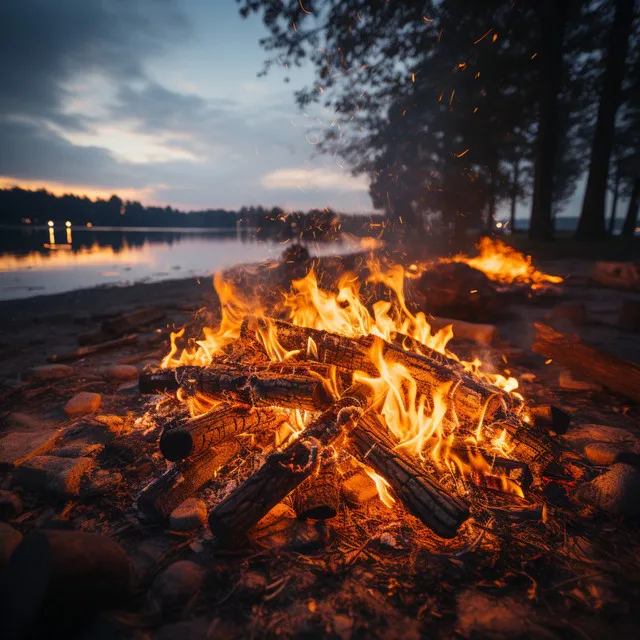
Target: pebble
x=10, y=505
x=359, y=488
x=122, y=372
x=82, y=403
x=388, y=540
x=53, y=372
x=616, y=492
x=18, y=446
x=178, y=584
x=50, y=474
x=189, y=515
x=9, y=540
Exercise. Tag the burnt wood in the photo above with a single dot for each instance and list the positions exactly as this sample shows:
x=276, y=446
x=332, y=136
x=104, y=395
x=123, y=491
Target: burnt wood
x=282, y=472
x=369, y=440
x=195, y=435
x=318, y=497
x=181, y=481
x=588, y=362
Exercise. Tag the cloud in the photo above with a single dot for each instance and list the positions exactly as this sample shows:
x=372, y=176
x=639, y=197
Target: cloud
x=320, y=178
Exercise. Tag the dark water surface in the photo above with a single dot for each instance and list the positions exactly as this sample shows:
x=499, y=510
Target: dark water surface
x=40, y=261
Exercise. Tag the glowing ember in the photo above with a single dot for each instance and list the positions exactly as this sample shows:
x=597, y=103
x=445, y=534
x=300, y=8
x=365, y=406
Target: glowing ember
x=506, y=265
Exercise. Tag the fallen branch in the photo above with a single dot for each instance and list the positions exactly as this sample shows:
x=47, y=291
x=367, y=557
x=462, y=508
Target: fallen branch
x=589, y=362
x=82, y=352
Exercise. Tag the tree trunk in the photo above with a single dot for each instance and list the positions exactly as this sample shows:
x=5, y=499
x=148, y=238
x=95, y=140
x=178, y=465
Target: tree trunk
x=514, y=194
x=553, y=15
x=631, y=221
x=614, y=202
x=592, y=218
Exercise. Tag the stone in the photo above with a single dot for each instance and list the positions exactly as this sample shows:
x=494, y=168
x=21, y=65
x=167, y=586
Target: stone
x=50, y=474
x=53, y=372
x=178, y=584
x=9, y=540
x=359, y=488
x=191, y=514
x=280, y=511
x=18, y=446
x=291, y=534
x=616, y=492
x=569, y=383
x=82, y=403
x=122, y=372
x=10, y=505
x=602, y=453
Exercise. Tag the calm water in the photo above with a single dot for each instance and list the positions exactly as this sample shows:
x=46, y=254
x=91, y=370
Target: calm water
x=43, y=261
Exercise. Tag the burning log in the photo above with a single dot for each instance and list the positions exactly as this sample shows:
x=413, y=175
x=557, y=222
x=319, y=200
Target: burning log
x=423, y=497
x=318, y=497
x=283, y=472
x=589, y=362
x=196, y=435
x=292, y=386
x=181, y=481
x=473, y=398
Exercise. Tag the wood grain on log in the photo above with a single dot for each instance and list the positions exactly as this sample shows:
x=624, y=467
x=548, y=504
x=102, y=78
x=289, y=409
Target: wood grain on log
x=181, y=481
x=282, y=472
x=318, y=497
x=589, y=362
x=423, y=497
x=196, y=435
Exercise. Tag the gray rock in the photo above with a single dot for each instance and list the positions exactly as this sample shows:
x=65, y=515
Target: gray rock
x=18, y=446
x=9, y=540
x=189, y=515
x=82, y=403
x=602, y=444
x=617, y=491
x=50, y=474
x=178, y=585
x=10, y=505
x=53, y=372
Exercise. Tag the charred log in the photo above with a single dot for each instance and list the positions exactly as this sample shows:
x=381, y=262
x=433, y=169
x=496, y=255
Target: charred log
x=422, y=495
x=318, y=497
x=197, y=435
x=283, y=472
x=181, y=481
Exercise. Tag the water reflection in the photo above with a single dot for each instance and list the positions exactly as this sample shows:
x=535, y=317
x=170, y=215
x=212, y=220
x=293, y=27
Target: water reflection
x=60, y=258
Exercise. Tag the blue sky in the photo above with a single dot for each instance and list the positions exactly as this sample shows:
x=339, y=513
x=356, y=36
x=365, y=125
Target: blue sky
x=158, y=100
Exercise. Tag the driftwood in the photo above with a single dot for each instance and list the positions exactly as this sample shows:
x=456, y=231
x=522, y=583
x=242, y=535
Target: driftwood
x=282, y=472
x=318, y=497
x=160, y=497
x=82, y=352
x=130, y=322
x=196, y=435
x=291, y=386
x=473, y=398
x=422, y=496
x=589, y=362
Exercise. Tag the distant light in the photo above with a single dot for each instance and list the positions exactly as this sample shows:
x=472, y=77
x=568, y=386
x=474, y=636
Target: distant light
x=89, y=225
x=67, y=223
x=499, y=225
x=50, y=223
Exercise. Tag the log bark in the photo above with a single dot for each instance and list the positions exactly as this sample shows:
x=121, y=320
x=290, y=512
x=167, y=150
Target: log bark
x=291, y=386
x=588, y=361
x=318, y=497
x=473, y=398
x=422, y=495
x=181, y=481
x=283, y=472
x=197, y=435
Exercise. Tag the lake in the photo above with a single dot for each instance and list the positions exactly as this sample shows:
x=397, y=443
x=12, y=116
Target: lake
x=38, y=261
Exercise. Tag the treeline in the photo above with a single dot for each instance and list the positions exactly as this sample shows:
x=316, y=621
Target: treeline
x=452, y=107
x=21, y=206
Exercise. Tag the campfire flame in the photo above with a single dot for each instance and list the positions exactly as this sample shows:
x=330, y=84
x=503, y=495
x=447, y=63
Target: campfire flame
x=425, y=427
x=506, y=265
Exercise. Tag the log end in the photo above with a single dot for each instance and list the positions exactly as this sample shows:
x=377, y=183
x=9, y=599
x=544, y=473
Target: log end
x=176, y=444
